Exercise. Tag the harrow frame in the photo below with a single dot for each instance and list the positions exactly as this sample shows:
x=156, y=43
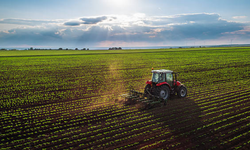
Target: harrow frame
x=147, y=100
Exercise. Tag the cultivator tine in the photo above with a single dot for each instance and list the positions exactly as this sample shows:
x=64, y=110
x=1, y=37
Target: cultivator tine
x=136, y=93
x=132, y=97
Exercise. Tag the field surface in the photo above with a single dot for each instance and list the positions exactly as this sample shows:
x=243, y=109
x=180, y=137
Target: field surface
x=70, y=100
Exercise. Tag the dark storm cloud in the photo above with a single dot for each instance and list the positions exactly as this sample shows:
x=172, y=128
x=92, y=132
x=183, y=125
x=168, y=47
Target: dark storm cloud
x=93, y=20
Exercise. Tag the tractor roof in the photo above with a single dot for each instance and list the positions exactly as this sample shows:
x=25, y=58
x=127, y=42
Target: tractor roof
x=162, y=71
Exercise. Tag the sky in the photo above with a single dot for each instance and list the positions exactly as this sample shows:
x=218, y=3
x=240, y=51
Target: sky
x=123, y=23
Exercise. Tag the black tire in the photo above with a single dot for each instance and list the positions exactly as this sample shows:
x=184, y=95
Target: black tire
x=182, y=92
x=163, y=92
x=147, y=88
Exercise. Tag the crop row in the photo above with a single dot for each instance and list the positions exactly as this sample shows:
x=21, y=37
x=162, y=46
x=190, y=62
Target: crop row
x=106, y=139
x=174, y=120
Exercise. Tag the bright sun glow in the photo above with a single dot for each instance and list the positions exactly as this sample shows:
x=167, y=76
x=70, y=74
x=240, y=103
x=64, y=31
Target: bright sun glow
x=117, y=3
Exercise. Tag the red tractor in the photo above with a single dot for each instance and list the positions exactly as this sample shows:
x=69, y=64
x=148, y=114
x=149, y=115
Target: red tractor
x=163, y=83
x=158, y=89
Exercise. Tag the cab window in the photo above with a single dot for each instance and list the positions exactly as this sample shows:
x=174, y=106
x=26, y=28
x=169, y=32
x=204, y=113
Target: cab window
x=169, y=78
x=158, y=77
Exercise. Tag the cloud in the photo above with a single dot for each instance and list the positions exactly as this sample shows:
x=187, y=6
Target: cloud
x=199, y=30
x=26, y=21
x=93, y=20
x=29, y=36
x=203, y=18
x=89, y=21
x=33, y=22
x=72, y=23
x=127, y=29
x=239, y=17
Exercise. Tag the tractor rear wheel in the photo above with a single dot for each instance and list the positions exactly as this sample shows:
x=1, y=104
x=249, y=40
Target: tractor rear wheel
x=163, y=92
x=182, y=92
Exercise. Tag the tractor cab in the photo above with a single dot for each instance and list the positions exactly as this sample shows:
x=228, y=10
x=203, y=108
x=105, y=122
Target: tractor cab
x=161, y=76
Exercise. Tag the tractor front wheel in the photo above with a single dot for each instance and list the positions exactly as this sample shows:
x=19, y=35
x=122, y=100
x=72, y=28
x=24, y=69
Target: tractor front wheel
x=163, y=92
x=182, y=92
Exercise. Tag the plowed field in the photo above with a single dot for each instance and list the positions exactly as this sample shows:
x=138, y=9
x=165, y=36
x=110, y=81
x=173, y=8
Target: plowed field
x=70, y=100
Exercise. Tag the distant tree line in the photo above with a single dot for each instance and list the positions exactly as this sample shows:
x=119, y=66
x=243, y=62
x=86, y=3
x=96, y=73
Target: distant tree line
x=72, y=49
x=3, y=49
x=111, y=48
x=31, y=48
x=115, y=48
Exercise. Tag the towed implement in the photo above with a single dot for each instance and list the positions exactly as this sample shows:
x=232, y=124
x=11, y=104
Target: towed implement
x=157, y=90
